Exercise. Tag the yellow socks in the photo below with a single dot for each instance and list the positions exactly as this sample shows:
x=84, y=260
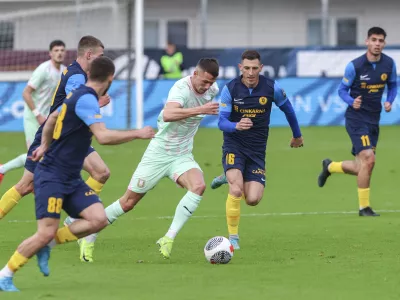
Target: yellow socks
x=335, y=167
x=233, y=214
x=17, y=261
x=363, y=197
x=8, y=201
x=64, y=235
x=94, y=185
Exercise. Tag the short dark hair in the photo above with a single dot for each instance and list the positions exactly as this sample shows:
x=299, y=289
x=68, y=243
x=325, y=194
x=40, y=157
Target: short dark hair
x=101, y=68
x=88, y=42
x=376, y=30
x=56, y=43
x=251, y=55
x=209, y=65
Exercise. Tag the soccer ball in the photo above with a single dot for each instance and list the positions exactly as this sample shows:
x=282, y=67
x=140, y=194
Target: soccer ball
x=218, y=250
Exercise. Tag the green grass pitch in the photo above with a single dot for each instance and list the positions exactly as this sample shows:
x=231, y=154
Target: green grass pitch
x=326, y=253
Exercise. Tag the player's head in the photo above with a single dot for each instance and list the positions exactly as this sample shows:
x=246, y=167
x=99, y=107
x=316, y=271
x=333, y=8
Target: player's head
x=101, y=72
x=376, y=40
x=57, y=51
x=90, y=48
x=205, y=74
x=171, y=48
x=250, y=66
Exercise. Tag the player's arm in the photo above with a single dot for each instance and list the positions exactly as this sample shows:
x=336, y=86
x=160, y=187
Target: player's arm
x=174, y=109
x=34, y=83
x=88, y=110
x=347, y=81
x=284, y=104
x=392, y=85
x=225, y=109
x=47, y=136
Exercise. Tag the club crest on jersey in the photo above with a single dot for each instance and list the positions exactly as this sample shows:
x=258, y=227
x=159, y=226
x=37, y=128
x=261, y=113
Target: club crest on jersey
x=384, y=77
x=141, y=183
x=263, y=100
x=236, y=108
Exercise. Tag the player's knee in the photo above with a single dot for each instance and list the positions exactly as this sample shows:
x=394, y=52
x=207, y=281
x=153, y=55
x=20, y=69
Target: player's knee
x=24, y=187
x=101, y=175
x=46, y=236
x=252, y=200
x=99, y=223
x=369, y=160
x=236, y=190
x=198, y=188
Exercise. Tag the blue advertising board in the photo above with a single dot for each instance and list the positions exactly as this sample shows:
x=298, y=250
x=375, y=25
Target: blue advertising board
x=315, y=101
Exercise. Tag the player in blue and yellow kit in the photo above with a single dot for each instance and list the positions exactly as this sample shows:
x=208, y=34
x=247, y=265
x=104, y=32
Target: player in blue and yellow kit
x=58, y=184
x=75, y=75
x=245, y=110
x=365, y=77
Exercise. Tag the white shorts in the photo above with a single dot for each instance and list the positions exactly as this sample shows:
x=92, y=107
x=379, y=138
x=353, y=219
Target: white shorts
x=155, y=166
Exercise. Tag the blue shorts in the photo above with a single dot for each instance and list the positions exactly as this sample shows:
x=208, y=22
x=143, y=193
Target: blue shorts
x=30, y=165
x=363, y=135
x=252, y=165
x=51, y=196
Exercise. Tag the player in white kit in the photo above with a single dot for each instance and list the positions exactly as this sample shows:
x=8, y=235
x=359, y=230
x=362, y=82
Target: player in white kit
x=169, y=153
x=38, y=95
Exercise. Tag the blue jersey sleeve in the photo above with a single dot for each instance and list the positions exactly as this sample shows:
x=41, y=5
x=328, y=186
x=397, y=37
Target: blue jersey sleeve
x=74, y=82
x=349, y=74
x=393, y=76
x=88, y=110
x=279, y=95
x=225, y=104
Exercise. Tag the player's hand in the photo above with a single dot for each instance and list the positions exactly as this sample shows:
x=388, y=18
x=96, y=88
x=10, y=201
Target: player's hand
x=357, y=103
x=210, y=108
x=38, y=153
x=297, y=142
x=244, y=124
x=145, y=133
x=104, y=100
x=41, y=119
x=388, y=106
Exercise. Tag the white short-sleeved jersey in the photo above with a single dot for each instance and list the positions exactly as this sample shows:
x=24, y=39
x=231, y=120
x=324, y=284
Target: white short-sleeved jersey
x=44, y=80
x=176, y=138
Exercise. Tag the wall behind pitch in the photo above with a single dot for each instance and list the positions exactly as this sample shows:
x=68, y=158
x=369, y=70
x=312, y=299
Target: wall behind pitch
x=315, y=101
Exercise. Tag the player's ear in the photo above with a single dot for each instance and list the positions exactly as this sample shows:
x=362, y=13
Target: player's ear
x=240, y=67
x=261, y=66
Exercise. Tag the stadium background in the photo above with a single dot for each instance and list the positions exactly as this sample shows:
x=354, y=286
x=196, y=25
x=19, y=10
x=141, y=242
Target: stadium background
x=300, y=242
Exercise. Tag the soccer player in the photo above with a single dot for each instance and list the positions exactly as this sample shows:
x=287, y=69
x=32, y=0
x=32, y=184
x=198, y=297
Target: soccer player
x=169, y=154
x=362, y=87
x=58, y=183
x=244, y=117
x=37, y=95
x=89, y=48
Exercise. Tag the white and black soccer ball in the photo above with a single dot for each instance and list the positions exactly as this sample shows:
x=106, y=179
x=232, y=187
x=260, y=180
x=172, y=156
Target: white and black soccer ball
x=218, y=250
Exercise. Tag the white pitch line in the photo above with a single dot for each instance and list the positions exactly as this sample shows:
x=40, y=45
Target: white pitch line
x=312, y=213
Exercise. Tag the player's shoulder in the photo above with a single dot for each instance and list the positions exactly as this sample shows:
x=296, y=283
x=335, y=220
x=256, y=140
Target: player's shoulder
x=73, y=69
x=44, y=66
x=358, y=61
x=269, y=82
x=387, y=59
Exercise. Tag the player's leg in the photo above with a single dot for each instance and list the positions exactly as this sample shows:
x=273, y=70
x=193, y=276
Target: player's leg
x=254, y=179
x=355, y=131
x=30, y=127
x=146, y=176
x=98, y=170
x=366, y=156
x=11, y=198
x=36, y=244
x=186, y=173
x=234, y=165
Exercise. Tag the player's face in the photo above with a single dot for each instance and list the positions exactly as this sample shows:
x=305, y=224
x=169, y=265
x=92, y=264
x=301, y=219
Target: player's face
x=250, y=70
x=202, y=81
x=108, y=84
x=57, y=54
x=375, y=44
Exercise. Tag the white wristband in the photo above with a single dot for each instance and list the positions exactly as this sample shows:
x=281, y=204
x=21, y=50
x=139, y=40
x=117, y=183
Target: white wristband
x=36, y=112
